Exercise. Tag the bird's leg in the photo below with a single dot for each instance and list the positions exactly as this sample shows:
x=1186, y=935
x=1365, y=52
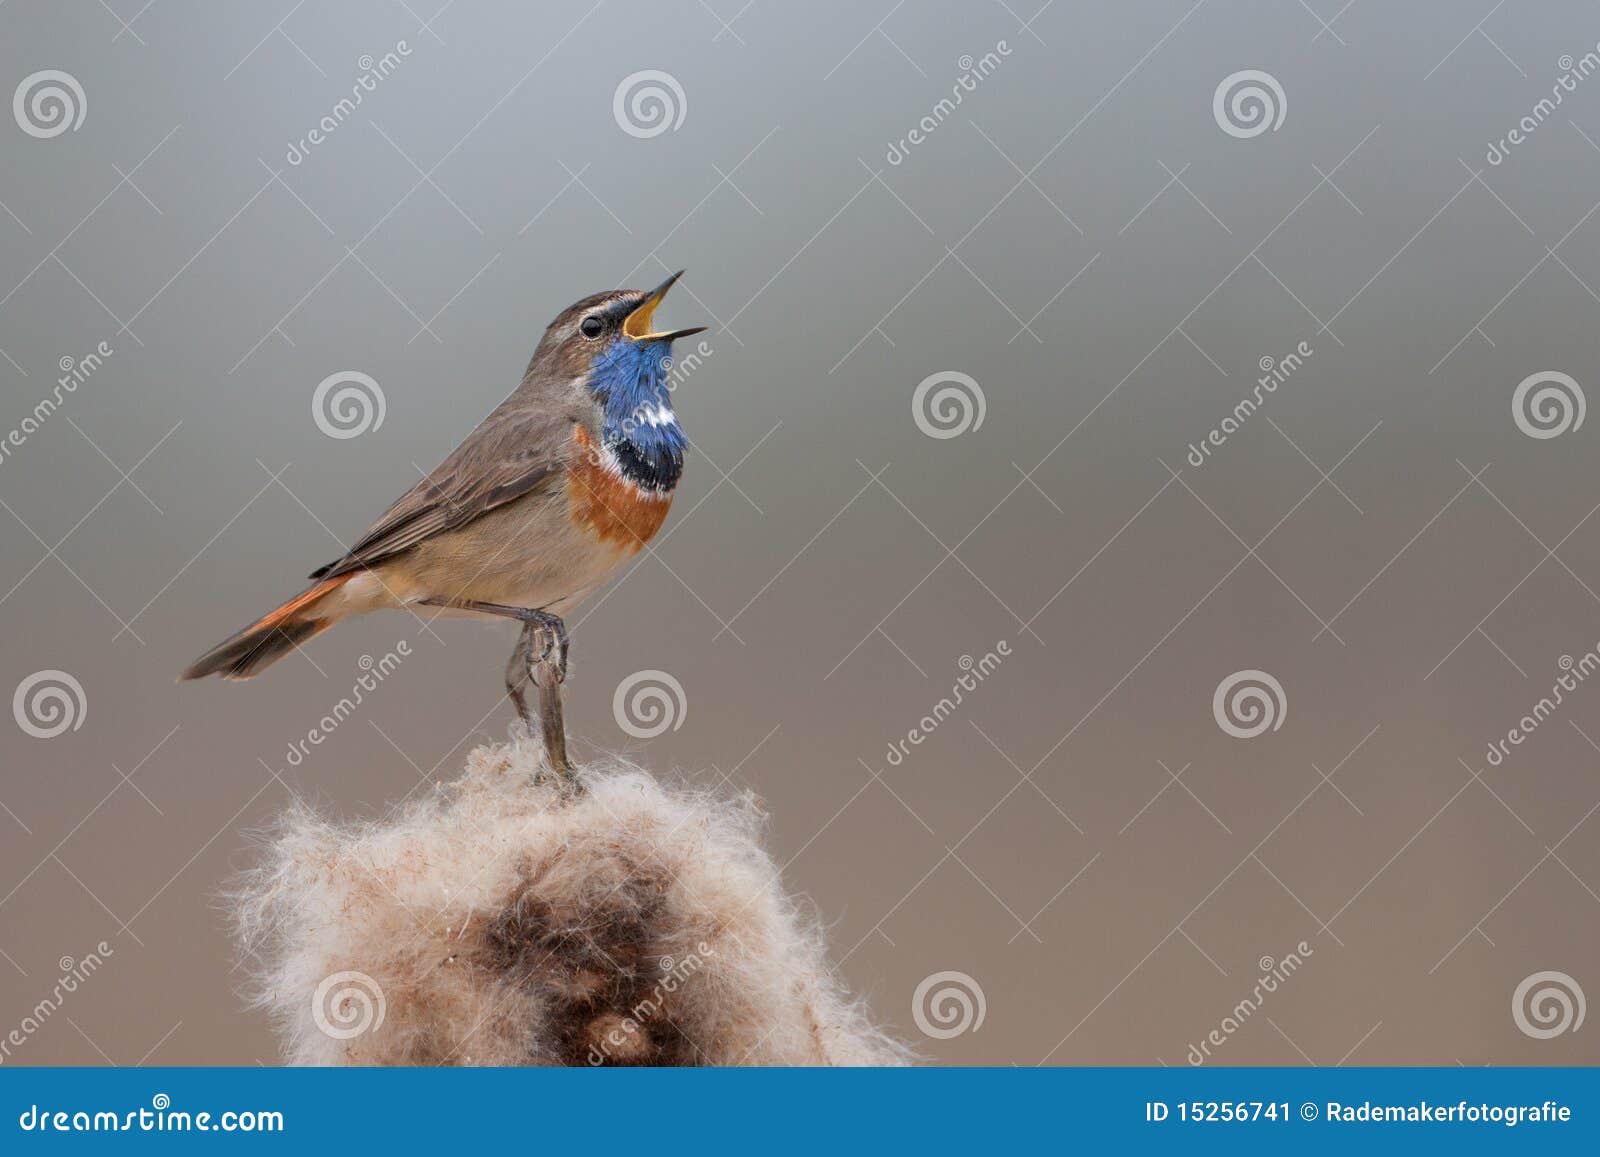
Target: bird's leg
x=549, y=673
x=547, y=669
x=519, y=671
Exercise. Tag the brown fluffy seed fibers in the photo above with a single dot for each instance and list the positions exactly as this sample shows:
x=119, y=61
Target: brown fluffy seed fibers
x=508, y=920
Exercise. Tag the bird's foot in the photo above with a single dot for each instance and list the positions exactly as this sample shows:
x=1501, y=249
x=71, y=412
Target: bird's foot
x=552, y=657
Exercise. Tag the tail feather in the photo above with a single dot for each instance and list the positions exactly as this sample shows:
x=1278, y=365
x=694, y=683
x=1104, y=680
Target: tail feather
x=267, y=640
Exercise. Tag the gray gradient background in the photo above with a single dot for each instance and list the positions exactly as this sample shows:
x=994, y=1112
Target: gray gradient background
x=814, y=601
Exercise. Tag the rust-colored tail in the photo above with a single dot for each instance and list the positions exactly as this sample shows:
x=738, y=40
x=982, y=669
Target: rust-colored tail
x=268, y=639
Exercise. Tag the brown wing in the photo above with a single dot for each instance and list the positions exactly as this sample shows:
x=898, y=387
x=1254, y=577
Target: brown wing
x=512, y=453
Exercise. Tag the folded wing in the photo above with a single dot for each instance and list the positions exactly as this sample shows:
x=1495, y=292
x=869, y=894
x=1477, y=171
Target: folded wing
x=512, y=453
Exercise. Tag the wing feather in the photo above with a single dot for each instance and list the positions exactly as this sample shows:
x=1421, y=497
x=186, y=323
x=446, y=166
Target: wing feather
x=515, y=451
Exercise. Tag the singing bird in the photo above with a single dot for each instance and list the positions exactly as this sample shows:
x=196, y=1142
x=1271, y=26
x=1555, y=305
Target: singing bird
x=568, y=478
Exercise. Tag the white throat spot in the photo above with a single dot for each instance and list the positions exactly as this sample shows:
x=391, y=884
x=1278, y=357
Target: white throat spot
x=656, y=415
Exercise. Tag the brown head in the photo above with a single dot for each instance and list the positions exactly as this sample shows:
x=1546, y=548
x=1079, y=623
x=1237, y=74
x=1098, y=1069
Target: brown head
x=584, y=331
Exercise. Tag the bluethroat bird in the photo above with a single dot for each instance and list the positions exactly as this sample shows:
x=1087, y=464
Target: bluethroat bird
x=568, y=478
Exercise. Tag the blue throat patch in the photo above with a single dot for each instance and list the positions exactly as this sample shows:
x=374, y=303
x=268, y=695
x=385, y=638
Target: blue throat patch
x=629, y=379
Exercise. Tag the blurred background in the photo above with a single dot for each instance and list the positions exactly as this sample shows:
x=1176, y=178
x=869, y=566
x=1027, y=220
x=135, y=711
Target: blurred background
x=971, y=398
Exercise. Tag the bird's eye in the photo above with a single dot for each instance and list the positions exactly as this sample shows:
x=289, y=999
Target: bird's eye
x=591, y=326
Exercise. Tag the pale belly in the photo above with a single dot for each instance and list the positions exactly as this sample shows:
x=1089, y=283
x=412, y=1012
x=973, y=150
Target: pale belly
x=528, y=553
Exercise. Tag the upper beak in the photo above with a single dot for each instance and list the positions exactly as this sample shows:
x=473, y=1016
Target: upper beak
x=637, y=325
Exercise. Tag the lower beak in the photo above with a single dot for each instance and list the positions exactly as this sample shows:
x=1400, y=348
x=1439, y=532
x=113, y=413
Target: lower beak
x=637, y=325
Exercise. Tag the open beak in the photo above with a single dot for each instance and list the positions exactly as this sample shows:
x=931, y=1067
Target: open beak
x=637, y=325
